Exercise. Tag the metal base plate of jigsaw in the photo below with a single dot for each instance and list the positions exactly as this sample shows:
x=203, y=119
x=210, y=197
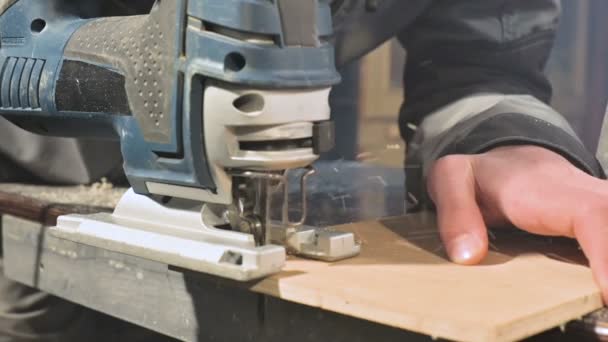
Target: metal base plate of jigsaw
x=175, y=234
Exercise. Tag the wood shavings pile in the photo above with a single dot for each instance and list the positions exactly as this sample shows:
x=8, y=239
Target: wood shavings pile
x=102, y=193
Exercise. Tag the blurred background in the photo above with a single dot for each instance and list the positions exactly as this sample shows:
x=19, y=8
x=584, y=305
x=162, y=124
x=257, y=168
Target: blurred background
x=367, y=127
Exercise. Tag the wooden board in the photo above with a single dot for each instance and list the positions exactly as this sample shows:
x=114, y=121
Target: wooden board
x=402, y=279
x=526, y=285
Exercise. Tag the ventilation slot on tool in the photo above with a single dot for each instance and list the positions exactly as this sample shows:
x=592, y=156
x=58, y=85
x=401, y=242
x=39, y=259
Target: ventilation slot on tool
x=250, y=103
x=250, y=37
x=275, y=145
x=20, y=83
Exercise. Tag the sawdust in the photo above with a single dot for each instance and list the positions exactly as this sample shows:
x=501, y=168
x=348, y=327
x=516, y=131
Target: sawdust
x=102, y=193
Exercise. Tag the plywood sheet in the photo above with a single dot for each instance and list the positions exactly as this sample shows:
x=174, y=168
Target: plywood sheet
x=527, y=284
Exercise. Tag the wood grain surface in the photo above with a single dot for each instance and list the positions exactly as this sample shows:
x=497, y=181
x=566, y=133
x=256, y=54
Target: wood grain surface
x=526, y=285
x=42, y=211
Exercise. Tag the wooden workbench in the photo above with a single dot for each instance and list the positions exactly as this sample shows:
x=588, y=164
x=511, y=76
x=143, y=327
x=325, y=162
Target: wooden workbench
x=394, y=286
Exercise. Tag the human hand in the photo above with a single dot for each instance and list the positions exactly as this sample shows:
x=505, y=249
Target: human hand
x=530, y=187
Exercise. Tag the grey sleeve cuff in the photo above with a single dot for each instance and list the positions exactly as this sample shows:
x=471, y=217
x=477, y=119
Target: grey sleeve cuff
x=481, y=122
x=519, y=129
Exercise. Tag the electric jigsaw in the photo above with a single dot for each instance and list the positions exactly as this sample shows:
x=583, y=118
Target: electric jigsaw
x=215, y=103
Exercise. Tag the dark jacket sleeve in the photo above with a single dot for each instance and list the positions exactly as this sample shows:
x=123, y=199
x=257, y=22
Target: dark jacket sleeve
x=474, y=81
x=28, y=157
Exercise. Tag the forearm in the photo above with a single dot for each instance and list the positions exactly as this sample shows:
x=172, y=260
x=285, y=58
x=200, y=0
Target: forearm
x=475, y=80
x=481, y=122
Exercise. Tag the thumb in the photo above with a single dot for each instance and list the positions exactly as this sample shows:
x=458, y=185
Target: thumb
x=451, y=185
